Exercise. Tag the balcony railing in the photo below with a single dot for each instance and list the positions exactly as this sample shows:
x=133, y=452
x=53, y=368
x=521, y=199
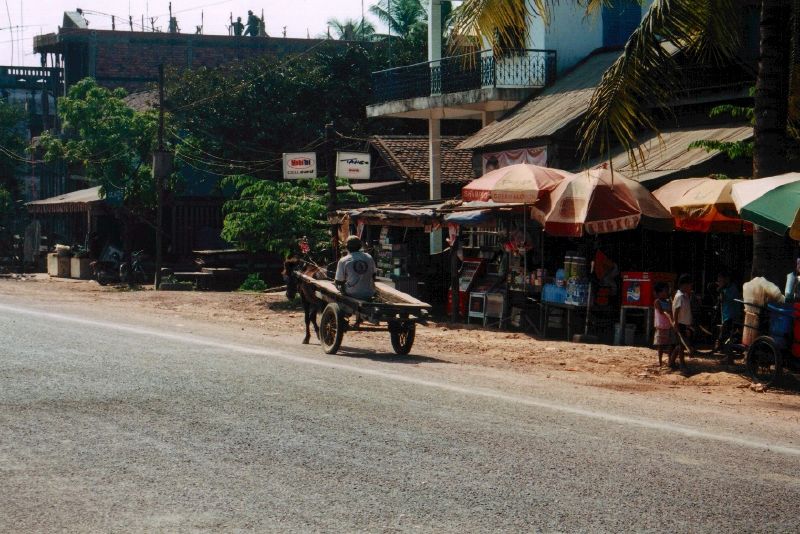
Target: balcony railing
x=32, y=78
x=514, y=69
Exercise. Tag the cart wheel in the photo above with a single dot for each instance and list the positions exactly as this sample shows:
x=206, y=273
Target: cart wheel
x=402, y=334
x=331, y=328
x=764, y=361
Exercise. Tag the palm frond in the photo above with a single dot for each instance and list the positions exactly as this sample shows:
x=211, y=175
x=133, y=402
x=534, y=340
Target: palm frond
x=646, y=75
x=503, y=23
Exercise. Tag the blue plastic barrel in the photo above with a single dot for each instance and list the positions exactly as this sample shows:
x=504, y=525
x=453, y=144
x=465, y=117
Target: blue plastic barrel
x=781, y=320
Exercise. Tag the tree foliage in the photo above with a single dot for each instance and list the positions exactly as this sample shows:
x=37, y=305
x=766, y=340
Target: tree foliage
x=273, y=216
x=404, y=18
x=352, y=29
x=12, y=146
x=240, y=119
x=111, y=142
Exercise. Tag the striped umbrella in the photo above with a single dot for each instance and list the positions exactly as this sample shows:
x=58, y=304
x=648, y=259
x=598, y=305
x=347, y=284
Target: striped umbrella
x=703, y=205
x=520, y=183
x=772, y=203
x=591, y=203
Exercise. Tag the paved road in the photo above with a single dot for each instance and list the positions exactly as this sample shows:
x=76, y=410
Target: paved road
x=109, y=426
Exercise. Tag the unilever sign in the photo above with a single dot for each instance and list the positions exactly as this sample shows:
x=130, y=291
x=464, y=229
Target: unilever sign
x=299, y=165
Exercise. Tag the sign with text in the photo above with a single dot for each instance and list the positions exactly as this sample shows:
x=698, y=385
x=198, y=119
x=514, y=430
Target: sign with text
x=299, y=165
x=352, y=165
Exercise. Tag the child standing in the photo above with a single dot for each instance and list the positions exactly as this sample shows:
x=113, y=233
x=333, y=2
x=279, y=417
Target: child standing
x=662, y=308
x=682, y=315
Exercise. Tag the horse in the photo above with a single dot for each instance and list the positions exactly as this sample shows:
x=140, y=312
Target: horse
x=294, y=285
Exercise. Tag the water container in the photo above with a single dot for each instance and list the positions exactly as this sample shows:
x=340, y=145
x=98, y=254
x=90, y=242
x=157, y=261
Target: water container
x=781, y=319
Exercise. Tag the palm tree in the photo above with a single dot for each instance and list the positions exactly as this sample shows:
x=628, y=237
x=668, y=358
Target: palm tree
x=644, y=78
x=352, y=30
x=402, y=17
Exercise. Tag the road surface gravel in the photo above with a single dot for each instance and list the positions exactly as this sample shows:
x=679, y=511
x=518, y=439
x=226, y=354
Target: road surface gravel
x=129, y=423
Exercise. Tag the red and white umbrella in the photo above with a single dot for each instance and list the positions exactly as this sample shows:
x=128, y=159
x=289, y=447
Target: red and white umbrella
x=592, y=203
x=521, y=183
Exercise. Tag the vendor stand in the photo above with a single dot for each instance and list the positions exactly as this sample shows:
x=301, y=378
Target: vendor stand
x=398, y=237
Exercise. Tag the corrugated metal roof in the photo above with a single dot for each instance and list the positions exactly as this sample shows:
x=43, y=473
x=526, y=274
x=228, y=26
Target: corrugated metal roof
x=554, y=108
x=407, y=155
x=672, y=154
x=70, y=202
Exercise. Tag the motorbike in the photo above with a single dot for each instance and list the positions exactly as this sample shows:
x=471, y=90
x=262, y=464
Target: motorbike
x=111, y=268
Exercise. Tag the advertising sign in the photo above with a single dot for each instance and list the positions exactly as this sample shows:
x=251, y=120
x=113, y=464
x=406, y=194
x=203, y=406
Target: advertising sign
x=353, y=165
x=299, y=165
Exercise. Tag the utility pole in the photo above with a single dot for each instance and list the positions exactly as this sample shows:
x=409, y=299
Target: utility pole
x=162, y=165
x=330, y=161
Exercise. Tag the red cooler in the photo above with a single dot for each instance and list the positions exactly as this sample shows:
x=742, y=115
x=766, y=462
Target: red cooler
x=637, y=287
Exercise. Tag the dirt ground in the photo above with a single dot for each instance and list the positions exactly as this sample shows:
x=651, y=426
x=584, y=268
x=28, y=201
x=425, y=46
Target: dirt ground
x=632, y=369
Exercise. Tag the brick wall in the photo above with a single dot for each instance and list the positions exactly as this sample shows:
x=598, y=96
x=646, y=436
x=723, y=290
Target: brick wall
x=130, y=59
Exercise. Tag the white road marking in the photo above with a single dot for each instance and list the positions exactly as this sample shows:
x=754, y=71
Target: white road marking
x=480, y=392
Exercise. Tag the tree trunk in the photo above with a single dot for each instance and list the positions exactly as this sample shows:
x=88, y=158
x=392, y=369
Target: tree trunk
x=772, y=254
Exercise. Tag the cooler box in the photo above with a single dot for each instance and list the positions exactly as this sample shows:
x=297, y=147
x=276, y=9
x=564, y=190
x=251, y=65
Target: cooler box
x=463, y=297
x=637, y=287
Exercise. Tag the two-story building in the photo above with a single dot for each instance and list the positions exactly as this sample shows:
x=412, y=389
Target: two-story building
x=530, y=102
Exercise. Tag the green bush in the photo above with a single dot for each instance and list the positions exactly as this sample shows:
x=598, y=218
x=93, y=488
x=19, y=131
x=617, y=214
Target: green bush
x=253, y=283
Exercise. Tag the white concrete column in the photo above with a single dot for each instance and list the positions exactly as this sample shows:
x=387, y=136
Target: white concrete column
x=435, y=158
x=487, y=117
x=435, y=174
x=434, y=30
x=434, y=125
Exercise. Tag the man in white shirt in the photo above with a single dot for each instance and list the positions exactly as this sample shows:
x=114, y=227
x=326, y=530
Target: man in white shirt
x=682, y=312
x=355, y=273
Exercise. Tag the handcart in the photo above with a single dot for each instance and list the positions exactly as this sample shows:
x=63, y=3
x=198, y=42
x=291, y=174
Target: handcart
x=398, y=311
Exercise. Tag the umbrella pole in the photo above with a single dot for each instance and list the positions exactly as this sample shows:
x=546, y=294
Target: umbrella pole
x=524, y=251
x=589, y=298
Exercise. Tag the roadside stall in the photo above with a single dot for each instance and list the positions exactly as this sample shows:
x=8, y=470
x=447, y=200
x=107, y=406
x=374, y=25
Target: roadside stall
x=711, y=237
x=398, y=237
x=592, y=203
x=496, y=239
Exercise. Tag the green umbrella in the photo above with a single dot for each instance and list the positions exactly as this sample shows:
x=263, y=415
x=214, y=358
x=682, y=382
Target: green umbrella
x=772, y=203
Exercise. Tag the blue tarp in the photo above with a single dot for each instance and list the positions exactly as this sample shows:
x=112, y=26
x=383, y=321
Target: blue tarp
x=469, y=218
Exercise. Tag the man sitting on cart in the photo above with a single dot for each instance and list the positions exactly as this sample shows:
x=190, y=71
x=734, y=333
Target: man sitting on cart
x=355, y=273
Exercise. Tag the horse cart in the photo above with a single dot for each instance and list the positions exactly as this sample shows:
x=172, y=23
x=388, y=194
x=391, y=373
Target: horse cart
x=400, y=312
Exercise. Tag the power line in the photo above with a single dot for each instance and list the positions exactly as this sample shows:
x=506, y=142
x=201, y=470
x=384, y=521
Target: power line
x=195, y=8
x=10, y=25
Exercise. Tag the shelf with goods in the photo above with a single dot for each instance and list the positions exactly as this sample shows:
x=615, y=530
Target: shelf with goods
x=391, y=255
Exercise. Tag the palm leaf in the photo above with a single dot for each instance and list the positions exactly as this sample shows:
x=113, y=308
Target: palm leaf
x=503, y=23
x=646, y=74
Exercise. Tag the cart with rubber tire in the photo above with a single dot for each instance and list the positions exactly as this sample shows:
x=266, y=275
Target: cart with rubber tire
x=391, y=310
x=778, y=346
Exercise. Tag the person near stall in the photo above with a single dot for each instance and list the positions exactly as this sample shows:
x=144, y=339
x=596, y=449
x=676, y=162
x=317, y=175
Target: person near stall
x=730, y=310
x=792, y=291
x=355, y=273
x=664, y=339
x=684, y=320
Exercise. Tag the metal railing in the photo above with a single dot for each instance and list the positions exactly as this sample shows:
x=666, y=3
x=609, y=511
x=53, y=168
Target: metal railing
x=31, y=77
x=465, y=72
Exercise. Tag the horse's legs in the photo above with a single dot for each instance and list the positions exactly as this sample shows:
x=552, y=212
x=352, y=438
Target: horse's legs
x=314, y=310
x=307, y=313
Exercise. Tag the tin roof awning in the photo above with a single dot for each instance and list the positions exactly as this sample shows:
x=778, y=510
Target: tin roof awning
x=671, y=154
x=74, y=202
